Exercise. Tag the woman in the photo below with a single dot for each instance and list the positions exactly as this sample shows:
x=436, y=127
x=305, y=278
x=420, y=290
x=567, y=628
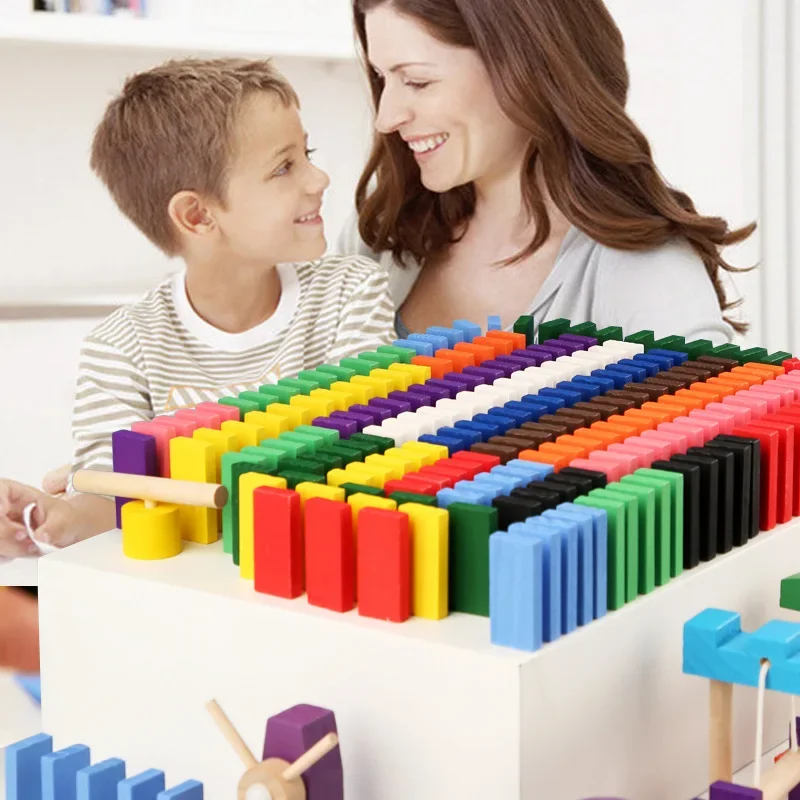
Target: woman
x=506, y=178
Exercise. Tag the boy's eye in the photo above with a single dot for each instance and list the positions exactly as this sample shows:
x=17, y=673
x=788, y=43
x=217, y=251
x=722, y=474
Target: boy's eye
x=310, y=152
x=284, y=169
x=417, y=85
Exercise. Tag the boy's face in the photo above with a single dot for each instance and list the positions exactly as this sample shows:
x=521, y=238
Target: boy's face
x=272, y=207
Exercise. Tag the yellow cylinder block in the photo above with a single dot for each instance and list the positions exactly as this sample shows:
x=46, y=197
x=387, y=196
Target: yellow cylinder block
x=149, y=534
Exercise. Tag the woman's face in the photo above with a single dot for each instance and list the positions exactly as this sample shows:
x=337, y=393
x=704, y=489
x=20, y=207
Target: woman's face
x=438, y=98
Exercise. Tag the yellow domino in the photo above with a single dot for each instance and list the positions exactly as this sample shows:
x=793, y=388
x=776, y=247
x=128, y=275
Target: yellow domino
x=318, y=406
x=338, y=399
x=381, y=386
x=221, y=442
x=418, y=372
x=430, y=452
x=247, y=434
x=307, y=490
x=397, y=468
x=346, y=392
x=274, y=424
x=377, y=473
x=359, y=500
x=336, y=477
x=294, y=414
x=429, y=535
x=363, y=394
x=248, y=483
x=413, y=461
x=400, y=380
x=195, y=460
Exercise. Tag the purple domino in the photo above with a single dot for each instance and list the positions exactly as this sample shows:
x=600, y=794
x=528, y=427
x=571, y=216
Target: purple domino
x=361, y=420
x=489, y=374
x=415, y=400
x=135, y=454
x=471, y=380
x=586, y=341
x=540, y=352
x=517, y=362
x=531, y=359
x=378, y=414
x=553, y=349
x=397, y=407
x=720, y=790
x=345, y=427
x=502, y=365
x=563, y=344
x=295, y=731
x=453, y=384
x=433, y=393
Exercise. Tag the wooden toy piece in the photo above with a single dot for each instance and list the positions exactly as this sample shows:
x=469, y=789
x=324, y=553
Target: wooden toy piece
x=195, y=460
x=279, y=551
x=133, y=453
x=330, y=553
x=151, y=532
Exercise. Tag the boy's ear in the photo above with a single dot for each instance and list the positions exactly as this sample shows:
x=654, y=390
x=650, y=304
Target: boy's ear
x=190, y=214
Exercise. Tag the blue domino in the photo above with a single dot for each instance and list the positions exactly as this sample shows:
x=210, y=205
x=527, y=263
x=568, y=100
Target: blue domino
x=599, y=520
x=568, y=532
x=497, y=418
x=676, y=355
x=534, y=409
x=99, y=782
x=481, y=428
x=452, y=445
x=446, y=497
x=436, y=342
x=467, y=437
x=188, y=790
x=145, y=786
x=519, y=415
x=453, y=335
x=23, y=767
x=618, y=380
x=469, y=329
x=516, y=585
x=664, y=362
x=585, y=393
x=59, y=770
x=641, y=369
x=494, y=323
x=569, y=397
x=598, y=385
x=545, y=398
x=420, y=348
x=586, y=567
x=627, y=373
x=506, y=483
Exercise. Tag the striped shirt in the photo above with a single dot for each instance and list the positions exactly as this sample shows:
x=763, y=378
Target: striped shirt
x=158, y=355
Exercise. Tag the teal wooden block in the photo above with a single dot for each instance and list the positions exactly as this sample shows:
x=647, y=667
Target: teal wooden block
x=59, y=772
x=23, y=767
x=145, y=786
x=99, y=782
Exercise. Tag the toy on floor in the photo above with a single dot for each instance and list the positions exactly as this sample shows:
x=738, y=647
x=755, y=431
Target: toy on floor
x=303, y=734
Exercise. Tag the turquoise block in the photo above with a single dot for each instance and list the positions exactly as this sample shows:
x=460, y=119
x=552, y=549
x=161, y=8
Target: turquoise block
x=506, y=482
x=536, y=471
x=494, y=323
x=436, y=342
x=145, y=786
x=59, y=770
x=100, y=781
x=23, y=767
x=420, y=348
x=469, y=329
x=586, y=559
x=446, y=497
x=453, y=335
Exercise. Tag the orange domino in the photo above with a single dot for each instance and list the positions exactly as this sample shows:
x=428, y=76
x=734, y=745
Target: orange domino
x=481, y=352
x=610, y=435
x=570, y=451
x=632, y=425
x=593, y=437
x=459, y=358
x=729, y=379
x=771, y=368
x=660, y=408
x=501, y=346
x=584, y=444
x=557, y=460
x=671, y=401
x=693, y=399
x=439, y=367
x=517, y=339
x=654, y=417
x=716, y=392
x=753, y=378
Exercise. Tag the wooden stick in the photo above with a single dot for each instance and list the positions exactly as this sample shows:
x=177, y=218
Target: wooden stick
x=144, y=487
x=782, y=778
x=310, y=757
x=231, y=734
x=720, y=733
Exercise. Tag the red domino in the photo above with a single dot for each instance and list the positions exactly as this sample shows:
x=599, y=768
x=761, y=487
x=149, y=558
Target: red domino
x=204, y=419
x=786, y=458
x=384, y=565
x=791, y=364
x=182, y=426
x=330, y=554
x=226, y=413
x=486, y=461
x=792, y=416
x=278, y=534
x=709, y=427
x=769, y=471
x=612, y=469
x=458, y=469
x=439, y=474
x=725, y=421
x=162, y=433
x=427, y=484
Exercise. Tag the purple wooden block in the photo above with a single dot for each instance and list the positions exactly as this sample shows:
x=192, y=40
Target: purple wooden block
x=415, y=400
x=795, y=793
x=294, y=731
x=345, y=427
x=502, y=365
x=563, y=344
x=362, y=420
x=378, y=414
x=516, y=362
x=454, y=384
x=720, y=790
x=135, y=454
x=531, y=359
x=395, y=406
x=489, y=373
x=471, y=380
x=545, y=355
x=433, y=393
x=556, y=351
x=586, y=341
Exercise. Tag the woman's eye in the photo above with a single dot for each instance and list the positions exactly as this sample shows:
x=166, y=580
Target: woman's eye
x=418, y=84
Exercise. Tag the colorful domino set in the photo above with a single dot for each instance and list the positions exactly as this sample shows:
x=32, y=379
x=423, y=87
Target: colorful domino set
x=540, y=484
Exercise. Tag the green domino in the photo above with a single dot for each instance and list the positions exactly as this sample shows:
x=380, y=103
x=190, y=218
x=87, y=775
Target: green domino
x=758, y=354
x=261, y=400
x=697, y=348
x=304, y=387
x=244, y=406
x=524, y=325
x=295, y=476
x=339, y=373
x=383, y=360
x=346, y=455
x=468, y=542
x=328, y=435
x=358, y=365
x=234, y=465
x=553, y=329
x=274, y=459
x=584, y=329
x=404, y=354
x=289, y=448
x=617, y=556
x=313, y=443
x=675, y=480
x=646, y=497
x=383, y=443
x=310, y=464
x=324, y=379
x=279, y=394
x=670, y=343
x=359, y=488
x=790, y=592
x=644, y=338
x=607, y=334
x=361, y=449
x=663, y=522
x=328, y=460
x=413, y=497
x=777, y=359
x=727, y=351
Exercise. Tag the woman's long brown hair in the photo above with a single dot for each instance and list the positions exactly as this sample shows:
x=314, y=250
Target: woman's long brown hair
x=558, y=70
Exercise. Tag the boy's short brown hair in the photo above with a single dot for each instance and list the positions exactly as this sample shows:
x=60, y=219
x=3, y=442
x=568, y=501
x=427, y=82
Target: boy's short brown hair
x=171, y=129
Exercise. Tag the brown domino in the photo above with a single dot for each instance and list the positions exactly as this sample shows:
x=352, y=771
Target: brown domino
x=503, y=452
x=652, y=390
x=587, y=417
x=593, y=407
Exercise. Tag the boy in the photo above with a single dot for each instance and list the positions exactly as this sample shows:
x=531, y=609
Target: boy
x=208, y=158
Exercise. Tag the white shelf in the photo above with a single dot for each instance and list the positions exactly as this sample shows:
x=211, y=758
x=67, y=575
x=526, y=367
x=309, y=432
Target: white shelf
x=150, y=35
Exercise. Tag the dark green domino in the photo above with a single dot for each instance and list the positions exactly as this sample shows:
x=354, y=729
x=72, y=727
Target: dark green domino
x=328, y=460
x=291, y=449
x=524, y=325
x=646, y=496
x=383, y=360
x=607, y=334
x=675, y=480
x=274, y=458
x=261, y=400
x=361, y=449
x=413, y=497
x=359, y=488
x=347, y=455
x=644, y=338
x=339, y=373
x=727, y=351
x=279, y=394
x=758, y=354
x=383, y=443
x=615, y=511
x=324, y=379
x=328, y=435
x=663, y=522
x=777, y=359
x=313, y=443
x=295, y=476
x=243, y=405
x=311, y=465
x=584, y=329
x=553, y=329
x=358, y=365
x=304, y=387
x=470, y=529
x=790, y=592
x=670, y=343
x=697, y=348
x=404, y=355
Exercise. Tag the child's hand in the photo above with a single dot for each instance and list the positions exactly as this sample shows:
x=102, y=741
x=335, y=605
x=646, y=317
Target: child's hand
x=55, y=482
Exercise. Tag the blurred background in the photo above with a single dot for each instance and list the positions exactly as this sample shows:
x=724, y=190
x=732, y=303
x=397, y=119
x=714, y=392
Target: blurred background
x=715, y=87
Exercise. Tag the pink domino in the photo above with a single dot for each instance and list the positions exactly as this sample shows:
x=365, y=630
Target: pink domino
x=628, y=462
x=613, y=471
x=225, y=412
x=658, y=450
x=162, y=433
x=741, y=414
x=774, y=389
x=204, y=419
x=678, y=442
x=182, y=426
x=790, y=381
x=758, y=408
x=725, y=420
x=693, y=434
x=643, y=456
x=709, y=427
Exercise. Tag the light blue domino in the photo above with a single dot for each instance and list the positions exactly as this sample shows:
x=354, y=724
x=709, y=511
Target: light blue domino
x=505, y=483
x=23, y=767
x=535, y=470
x=188, y=790
x=99, y=781
x=453, y=335
x=568, y=531
x=485, y=492
x=585, y=560
x=520, y=477
x=469, y=329
x=715, y=647
x=599, y=520
x=551, y=575
x=516, y=585
x=59, y=770
x=436, y=342
x=420, y=348
x=144, y=786
x=446, y=497
x=494, y=323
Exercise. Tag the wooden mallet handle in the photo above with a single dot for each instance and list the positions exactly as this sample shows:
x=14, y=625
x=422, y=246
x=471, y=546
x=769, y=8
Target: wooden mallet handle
x=231, y=734
x=144, y=487
x=310, y=757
